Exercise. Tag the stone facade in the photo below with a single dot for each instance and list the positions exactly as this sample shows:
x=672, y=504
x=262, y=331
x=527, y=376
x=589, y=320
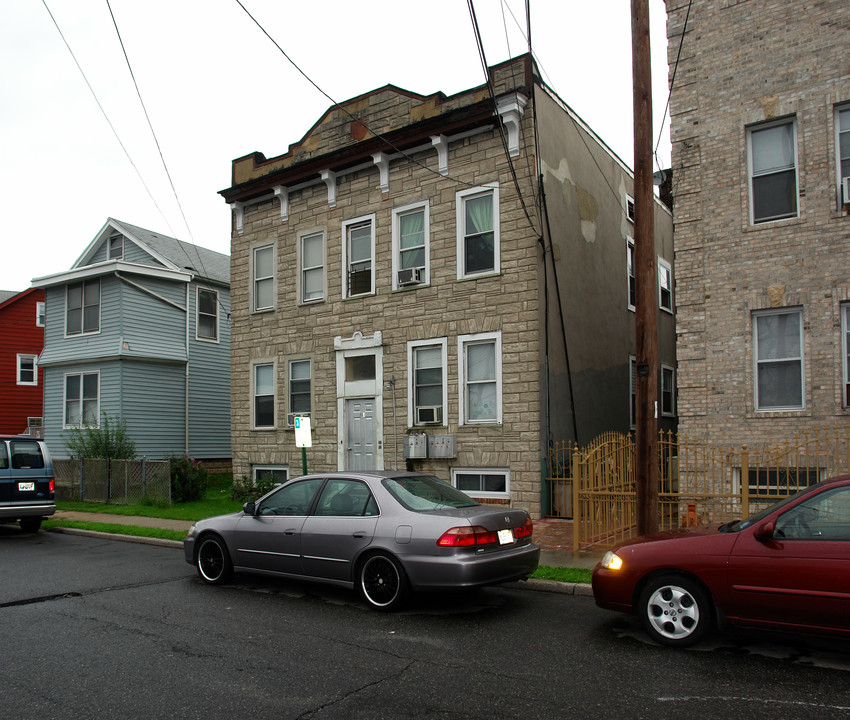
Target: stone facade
x=745, y=64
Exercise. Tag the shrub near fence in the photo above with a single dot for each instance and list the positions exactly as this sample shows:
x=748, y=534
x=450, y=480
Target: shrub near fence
x=127, y=482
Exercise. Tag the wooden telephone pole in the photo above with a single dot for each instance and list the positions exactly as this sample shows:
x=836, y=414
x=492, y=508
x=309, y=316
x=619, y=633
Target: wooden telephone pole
x=646, y=319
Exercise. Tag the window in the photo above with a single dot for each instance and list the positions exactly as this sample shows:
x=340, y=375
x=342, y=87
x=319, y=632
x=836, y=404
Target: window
x=264, y=395
x=410, y=244
x=665, y=286
x=773, y=171
x=116, y=247
x=482, y=482
x=632, y=391
x=342, y=497
x=845, y=344
x=294, y=499
x=426, y=361
x=82, y=400
x=278, y=474
x=630, y=272
x=312, y=267
x=39, y=314
x=207, y=325
x=27, y=370
x=630, y=208
x=477, y=231
x=668, y=391
x=822, y=518
x=778, y=341
x=264, y=278
x=480, y=378
x=83, y=307
x=299, y=387
x=842, y=148
x=359, y=256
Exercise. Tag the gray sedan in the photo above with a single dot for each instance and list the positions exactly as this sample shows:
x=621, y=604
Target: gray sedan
x=383, y=532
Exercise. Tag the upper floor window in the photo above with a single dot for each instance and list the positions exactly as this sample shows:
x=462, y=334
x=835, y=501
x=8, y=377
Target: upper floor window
x=82, y=400
x=630, y=208
x=630, y=273
x=845, y=346
x=778, y=342
x=116, y=247
x=668, y=390
x=207, y=325
x=27, y=370
x=39, y=314
x=83, y=307
x=264, y=395
x=300, y=377
x=263, y=278
x=312, y=267
x=427, y=377
x=773, y=171
x=480, y=378
x=842, y=149
x=478, y=231
x=410, y=245
x=359, y=256
x=665, y=285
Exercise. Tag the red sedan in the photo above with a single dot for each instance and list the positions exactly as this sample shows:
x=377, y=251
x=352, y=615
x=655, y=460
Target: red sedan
x=785, y=568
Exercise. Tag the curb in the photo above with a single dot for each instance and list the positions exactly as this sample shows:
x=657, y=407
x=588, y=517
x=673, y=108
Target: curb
x=161, y=542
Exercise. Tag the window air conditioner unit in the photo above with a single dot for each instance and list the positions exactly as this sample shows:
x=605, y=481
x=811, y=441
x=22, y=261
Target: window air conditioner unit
x=429, y=415
x=845, y=190
x=410, y=276
x=290, y=417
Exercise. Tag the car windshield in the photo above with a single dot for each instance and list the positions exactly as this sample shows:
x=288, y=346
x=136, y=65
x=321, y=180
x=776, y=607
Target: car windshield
x=421, y=493
x=738, y=525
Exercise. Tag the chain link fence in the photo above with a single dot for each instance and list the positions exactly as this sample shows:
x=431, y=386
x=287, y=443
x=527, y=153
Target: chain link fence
x=126, y=482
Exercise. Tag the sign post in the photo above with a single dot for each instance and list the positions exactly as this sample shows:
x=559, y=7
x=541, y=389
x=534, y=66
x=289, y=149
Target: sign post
x=303, y=439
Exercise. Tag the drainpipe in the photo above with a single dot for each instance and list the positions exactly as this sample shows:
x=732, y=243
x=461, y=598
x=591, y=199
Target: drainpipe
x=186, y=404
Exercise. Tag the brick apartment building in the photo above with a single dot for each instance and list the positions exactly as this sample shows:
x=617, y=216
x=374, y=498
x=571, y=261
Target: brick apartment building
x=761, y=146
x=398, y=277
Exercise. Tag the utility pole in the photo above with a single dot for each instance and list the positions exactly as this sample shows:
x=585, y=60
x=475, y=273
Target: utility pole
x=646, y=318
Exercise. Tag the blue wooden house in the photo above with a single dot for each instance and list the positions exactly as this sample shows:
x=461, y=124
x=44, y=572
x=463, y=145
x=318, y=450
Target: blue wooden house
x=139, y=329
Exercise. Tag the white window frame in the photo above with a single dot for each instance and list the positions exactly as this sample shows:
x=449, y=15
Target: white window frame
x=412, y=346
x=82, y=284
x=34, y=359
x=40, y=314
x=198, y=313
x=630, y=209
x=668, y=371
x=256, y=280
x=299, y=361
x=751, y=175
x=109, y=253
x=264, y=362
x=304, y=237
x=461, y=198
x=665, y=282
x=504, y=495
x=65, y=424
x=841, y=129
x=845, y=355
x=463, y=342
x=347, y=225
x=257, y=470
x=631, y=278
x=397, y=214
x=757, y=363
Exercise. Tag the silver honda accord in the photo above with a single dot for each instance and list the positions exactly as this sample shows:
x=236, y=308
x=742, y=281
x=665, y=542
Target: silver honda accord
x=384, y=533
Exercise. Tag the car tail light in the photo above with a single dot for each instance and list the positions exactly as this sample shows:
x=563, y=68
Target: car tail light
x=51, y=486
x=524, y=531
x=467, y=536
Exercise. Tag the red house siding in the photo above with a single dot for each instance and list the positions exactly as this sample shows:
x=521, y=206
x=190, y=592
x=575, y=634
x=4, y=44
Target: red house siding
x=19, y=335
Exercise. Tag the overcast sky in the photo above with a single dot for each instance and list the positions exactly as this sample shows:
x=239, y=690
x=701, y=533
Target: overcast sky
x=216, y=88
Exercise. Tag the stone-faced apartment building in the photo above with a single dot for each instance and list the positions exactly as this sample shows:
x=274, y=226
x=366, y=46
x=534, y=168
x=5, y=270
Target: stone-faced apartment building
x=443, y=283
x=761, y=158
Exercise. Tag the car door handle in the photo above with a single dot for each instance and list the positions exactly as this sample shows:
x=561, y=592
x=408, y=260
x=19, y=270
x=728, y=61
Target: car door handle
x=289, y=531
x=359, y=534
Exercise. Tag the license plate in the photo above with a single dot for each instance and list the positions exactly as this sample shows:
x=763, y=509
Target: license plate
x=26, y=486
x=506, y=537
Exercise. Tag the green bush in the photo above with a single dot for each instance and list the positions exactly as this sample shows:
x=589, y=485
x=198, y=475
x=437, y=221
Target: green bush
x=109, y=440
x=188, y=479
x=245, y=490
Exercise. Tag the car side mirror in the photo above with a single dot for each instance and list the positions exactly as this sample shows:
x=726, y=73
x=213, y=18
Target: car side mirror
x=249, y=508
x=764, y=532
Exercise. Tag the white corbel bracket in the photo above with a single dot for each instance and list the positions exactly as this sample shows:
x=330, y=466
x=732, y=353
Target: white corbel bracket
x=382, y=162
x=510, y=109
x=282, y=193
x=329, y=176
x=239, y=209
x=441, y=143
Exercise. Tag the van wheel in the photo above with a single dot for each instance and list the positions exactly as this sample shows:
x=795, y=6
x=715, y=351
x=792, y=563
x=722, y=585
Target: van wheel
x=30, y=525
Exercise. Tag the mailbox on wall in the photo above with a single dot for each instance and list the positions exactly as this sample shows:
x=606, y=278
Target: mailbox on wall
x=415, y=446
x=441, y=446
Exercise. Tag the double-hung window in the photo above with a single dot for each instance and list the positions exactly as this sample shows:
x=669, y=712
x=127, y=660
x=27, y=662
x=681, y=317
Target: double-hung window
x=116, y=247
x=300, y=376
x=263, y=395
x=263, y=278
x=82, y=305
x=778, y=343
x=82, y=399
x=773, y=171
x=668, y=391
x=39, y=314
x=480, y=378
x=478, y=231
x=312, y=267
x=359, y=256
x=426, y=361
x=665, y=286
x=410, y=244
x=842, y=150
x=207, y=322
x=27, y=370
x=630, y=273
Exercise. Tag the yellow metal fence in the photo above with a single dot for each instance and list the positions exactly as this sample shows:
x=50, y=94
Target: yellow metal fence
x=698, y=482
